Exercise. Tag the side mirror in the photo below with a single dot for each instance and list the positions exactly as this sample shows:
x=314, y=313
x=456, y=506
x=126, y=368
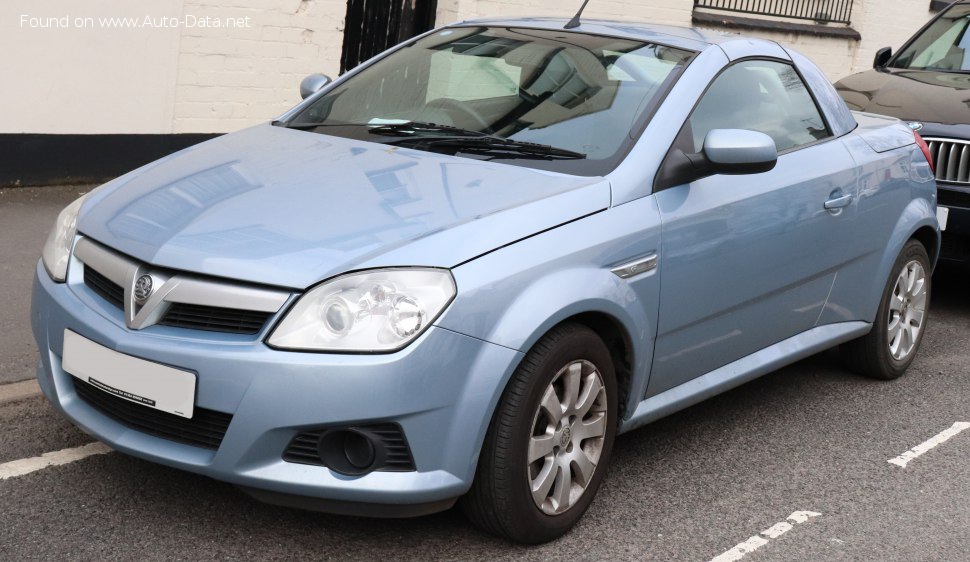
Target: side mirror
x=725, y=151
x=313, y=84
x=882, y=57
x=739, y=151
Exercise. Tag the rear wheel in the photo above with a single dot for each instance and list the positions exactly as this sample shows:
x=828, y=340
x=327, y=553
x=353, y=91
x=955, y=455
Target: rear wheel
x=550, y=440
x=890, y=347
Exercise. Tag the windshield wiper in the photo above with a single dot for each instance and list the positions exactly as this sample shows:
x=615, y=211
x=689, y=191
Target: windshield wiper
x=947, y=70
x=309, y=126
x=931, y=69
x=408, y=128
x=416, y=128
x=496, y=147
x=415, y=133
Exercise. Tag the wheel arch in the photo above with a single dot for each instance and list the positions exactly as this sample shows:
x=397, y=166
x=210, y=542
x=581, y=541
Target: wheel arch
x=628, y=339
x=599, y=300
x=618, y=341
x=616, y=334
x=930, y=239
x=917, y=221
x=585, y=294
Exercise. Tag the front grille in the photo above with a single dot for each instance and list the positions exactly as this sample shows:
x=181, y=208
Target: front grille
x=303, y=447
x=953, y=198
x=205, y=429
x=182, y=315
x=951, y=159
x=104, y=287
x=214, y=319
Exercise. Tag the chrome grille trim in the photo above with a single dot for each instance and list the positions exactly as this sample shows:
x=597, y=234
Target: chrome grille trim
x=172, y=287
x=951, y=159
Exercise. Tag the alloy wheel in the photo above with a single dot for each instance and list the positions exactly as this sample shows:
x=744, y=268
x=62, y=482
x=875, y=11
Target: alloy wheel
x=907, y=308
x=568, y=432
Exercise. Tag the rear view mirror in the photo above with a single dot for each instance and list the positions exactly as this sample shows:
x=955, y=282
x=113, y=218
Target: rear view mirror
x=882, y=57
x=313, y=84
x=739, y=151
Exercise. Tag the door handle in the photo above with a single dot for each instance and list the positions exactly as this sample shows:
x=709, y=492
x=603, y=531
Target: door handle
x=838, y=202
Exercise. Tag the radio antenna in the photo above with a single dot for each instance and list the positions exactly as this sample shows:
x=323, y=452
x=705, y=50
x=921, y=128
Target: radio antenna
x=575, y=21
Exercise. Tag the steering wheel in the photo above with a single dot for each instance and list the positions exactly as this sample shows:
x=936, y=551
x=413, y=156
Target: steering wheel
x=460, y=112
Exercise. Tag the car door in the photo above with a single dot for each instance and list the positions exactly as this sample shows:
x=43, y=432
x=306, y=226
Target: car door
x=749, y=260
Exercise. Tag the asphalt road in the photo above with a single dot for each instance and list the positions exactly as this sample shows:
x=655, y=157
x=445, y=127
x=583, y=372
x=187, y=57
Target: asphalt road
x=807, y=438
x=26, y=217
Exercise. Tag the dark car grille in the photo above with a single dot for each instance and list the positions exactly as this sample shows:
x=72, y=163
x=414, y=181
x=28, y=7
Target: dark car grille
x=104, y=287
x=953, y=198
x=955, y=246
x=303, y=448
x=214, y=319
x=182, y=315
x=205, y=429
x=951, y=159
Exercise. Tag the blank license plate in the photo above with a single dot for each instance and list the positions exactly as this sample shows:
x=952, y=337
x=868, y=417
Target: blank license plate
x=942, y=214
x=143, y=382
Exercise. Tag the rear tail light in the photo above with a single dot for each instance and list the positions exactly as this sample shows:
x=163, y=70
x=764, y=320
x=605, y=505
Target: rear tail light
x=926, y=150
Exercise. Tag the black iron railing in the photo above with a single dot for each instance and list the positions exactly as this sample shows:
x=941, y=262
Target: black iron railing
x=822, y=11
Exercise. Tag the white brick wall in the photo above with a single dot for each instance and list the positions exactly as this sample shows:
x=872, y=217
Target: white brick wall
x=222, y=79
x=675, y=12
x=231, y=78
x=86, y=80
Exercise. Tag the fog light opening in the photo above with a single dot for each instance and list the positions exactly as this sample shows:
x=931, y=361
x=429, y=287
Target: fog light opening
x=358, y=450
x=350, y=451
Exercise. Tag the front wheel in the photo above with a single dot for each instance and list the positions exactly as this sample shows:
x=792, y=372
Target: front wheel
x=550, y=440
x=890, y=347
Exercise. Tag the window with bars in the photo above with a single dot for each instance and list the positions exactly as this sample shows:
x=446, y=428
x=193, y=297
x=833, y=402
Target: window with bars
x=819, y=11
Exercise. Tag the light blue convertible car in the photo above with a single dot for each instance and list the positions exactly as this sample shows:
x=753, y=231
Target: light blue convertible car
x=461, y=269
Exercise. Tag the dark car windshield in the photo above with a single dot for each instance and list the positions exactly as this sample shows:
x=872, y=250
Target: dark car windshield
x=572, y=102
x=944, y=45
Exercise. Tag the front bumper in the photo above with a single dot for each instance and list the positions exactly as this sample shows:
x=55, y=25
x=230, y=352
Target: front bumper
x=441, y=390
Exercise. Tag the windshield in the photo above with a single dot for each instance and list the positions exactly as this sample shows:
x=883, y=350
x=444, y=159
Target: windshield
x=547, y=99
x=945, y=45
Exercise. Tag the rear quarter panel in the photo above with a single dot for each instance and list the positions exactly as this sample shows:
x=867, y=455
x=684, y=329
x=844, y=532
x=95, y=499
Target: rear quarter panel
x=895, y=197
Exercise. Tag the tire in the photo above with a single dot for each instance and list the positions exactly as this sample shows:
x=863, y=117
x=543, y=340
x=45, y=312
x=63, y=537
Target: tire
x=501, y=501
x=878, y=354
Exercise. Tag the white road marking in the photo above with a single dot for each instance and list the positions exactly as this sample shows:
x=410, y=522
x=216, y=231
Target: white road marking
x=21, y=467
x=756, y=542
x=740, y=549
x=18, y=390
x=777, y=530
x=941, y=437
x=802, y=516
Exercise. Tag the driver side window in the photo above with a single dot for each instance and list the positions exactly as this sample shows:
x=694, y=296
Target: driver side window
x=764, y=96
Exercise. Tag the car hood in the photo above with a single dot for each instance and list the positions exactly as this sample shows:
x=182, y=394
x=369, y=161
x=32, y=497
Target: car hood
x=290, y=208
x=938, y=97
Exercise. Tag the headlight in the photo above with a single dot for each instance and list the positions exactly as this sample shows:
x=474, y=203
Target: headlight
x=57, y=250
x=371, y=311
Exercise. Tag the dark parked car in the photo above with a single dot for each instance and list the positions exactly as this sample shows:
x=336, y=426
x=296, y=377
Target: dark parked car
x=928, y=83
